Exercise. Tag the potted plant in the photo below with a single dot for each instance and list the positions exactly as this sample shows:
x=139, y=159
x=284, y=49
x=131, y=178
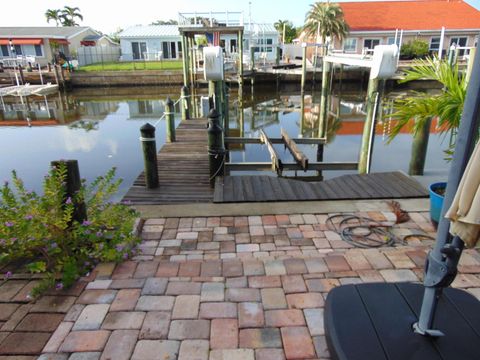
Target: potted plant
x=421, y=107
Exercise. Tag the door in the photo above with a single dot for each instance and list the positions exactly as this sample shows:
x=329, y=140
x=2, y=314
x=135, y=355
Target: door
x=135, y=51
x=165, y=49
x=459, y=41
x=173, y=50
x=233, y=45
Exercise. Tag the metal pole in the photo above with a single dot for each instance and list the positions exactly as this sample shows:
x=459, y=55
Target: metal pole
x=443, y=259
x=149, y=147
x=170, y=117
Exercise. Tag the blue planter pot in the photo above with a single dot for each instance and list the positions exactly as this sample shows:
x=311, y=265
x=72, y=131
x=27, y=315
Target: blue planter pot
x=436, y=201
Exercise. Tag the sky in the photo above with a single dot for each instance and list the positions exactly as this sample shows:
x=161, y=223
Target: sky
x=108, y=16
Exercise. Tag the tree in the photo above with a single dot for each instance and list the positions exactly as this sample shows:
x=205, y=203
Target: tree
x=325, y=20
x=447, y=106
x=69, y=14
x=115, y=35
x=54, y=14
x=290, y=30
x=164, y=22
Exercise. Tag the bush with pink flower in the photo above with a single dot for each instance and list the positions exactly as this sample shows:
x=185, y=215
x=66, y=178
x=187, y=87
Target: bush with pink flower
x=38, y=232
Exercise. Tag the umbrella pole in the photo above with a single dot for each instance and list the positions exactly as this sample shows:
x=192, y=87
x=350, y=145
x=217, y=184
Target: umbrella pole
x=442, y=261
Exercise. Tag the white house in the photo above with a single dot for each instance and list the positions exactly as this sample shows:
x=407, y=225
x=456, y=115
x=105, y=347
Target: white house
x=40, y=43
x=155, y=42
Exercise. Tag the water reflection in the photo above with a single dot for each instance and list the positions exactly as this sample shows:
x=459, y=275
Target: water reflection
x=100, y=128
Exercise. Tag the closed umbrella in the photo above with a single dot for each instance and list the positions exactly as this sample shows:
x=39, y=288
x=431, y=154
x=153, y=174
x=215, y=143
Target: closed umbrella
x=464, y=212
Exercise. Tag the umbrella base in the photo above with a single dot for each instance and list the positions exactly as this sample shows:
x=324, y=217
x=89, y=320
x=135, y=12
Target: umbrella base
x=374, y=322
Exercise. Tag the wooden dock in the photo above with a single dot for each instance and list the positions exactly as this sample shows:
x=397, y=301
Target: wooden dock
x=182, y=170
x=184, y=178
x=387, y=185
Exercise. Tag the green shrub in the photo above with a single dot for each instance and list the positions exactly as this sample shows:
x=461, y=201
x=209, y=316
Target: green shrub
x=414, y=49
x=39, y=231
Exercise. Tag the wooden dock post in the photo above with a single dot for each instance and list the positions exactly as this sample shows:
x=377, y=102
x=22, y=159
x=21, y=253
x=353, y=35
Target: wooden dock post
x=226, y=115
x=277, y=55
x=323, y=114
x=184, y=103
x=20, y=71
x=216, y=147
x=368, y=136
x=29, y=67
x=240, y=64
x=252, y=58
x=419, y=149
x=57, y=76
x=304, y=68
x=185, y=60
x=170, y=118
x=72, y=186
x=149, y=147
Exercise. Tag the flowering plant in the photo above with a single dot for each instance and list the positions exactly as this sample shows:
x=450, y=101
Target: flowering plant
x=41, y=232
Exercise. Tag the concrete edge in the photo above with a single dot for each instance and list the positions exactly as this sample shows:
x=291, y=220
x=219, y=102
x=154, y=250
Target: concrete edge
x=277, y=208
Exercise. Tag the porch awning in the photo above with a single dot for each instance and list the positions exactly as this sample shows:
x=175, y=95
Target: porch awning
x=87, y=43
x=59, y=41
x=30, y=41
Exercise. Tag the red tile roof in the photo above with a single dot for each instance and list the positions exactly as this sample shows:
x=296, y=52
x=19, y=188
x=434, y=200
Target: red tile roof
x=410, y=15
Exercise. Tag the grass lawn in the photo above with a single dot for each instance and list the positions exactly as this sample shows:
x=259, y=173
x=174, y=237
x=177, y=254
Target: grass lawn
x=134, y=65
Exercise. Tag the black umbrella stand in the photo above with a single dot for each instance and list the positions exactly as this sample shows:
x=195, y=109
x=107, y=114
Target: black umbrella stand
x=405, y=321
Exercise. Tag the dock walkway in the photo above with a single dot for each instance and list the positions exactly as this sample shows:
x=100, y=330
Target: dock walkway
x=182, y=170
x=184, y=178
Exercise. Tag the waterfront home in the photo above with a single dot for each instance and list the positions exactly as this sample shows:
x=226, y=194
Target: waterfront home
x=40, y=43
x=376, y=23
x=156, y=42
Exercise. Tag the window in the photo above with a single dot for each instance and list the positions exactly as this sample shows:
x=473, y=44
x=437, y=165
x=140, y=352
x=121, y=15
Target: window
x=233, y=45
x=350, y=45
x=434, y=44
x=38, y=50
x=18, y=50
x=391, y=41
x=28, y=50
x=5, y=51
x=371, y=43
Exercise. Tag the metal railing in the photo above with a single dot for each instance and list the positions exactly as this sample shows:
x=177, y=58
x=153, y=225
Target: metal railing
x=212, y=18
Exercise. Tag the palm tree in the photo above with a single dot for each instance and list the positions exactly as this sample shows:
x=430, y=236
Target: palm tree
x=69, y=14
x=421, y=107
x=53, y=14
x=325, y=20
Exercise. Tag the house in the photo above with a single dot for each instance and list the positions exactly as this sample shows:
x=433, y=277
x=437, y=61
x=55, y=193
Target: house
x=42, y=42
x=375, y=23
x=155, y=42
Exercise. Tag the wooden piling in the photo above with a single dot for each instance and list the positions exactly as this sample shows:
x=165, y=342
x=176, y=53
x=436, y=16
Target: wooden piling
x=57, y=76
x=277, y=55
x=252, y=58
x=20, y=71
x=323, y=114
x=185, y=61
x=149, y=148
x=29, y=67
x=366, y=148
x=170, y=119
x=216, y=146
x=240, y=64
x=49, y=67
x=72, y=186
x=226, y=118
x=184, y=103
x=419, y=149
x=304, y=68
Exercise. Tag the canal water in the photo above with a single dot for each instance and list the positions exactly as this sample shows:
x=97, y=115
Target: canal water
x=100, y=129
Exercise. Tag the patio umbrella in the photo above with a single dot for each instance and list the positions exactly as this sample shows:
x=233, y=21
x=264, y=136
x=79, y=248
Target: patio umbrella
x=464, y=212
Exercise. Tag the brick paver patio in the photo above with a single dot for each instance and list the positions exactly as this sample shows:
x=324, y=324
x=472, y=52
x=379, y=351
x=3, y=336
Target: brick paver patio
x=212, y=288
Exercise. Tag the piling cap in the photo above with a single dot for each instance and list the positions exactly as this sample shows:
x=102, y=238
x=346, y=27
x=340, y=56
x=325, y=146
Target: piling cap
x=147, y=129
x=213, y=113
